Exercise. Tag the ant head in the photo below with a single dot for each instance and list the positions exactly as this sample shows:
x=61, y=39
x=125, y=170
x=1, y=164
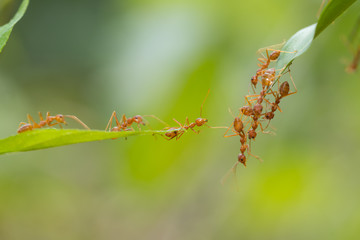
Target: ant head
x=252, y=134
x=242, y=159
x=269, y=115
x=139, y=119
x=60, y=118
x=200, y=121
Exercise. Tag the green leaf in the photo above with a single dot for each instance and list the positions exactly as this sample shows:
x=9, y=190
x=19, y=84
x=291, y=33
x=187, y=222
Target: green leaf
x=6, y=29
x=295, y=46
x=332, y=10
x=47, y=138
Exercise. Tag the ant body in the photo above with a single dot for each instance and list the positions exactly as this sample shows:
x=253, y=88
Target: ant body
x=178, y=132
x=125, y=124
x=48, y=121
x=284, y=91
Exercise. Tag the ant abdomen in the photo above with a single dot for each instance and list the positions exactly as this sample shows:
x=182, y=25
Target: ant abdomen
x=284, y=89
x=274, y=55
x=238, y=125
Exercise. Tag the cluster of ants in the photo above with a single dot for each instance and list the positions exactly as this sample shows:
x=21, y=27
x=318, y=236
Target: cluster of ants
x=259, y=107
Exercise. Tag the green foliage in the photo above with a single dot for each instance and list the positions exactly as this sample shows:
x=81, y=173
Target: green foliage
x=296, y=45
x=332, y=10
x=6, y=29
x=301, y=40
x=46, y=138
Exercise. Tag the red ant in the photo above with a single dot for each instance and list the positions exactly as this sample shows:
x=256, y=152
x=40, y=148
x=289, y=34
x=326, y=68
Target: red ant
x=283, y=91
x=238, y=128
x=59, y=118
x=125, y=123
x=178, y=132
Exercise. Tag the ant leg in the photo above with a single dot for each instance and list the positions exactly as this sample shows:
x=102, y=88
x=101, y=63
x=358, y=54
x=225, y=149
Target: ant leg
x=248, y=96
x=153, y=116
x=226, y=176
x=263, y=129
x=78, y=120
x=23, y=123
x=249, y=152
x=123, y=120
x=30, y=119
x=271, y=49
x=168, y=139
x=41, y=116
x=228, y=130
x=108, y=126
x=188, y=123
x=181, y=126
x=207, y=94
x=292, y=80
x=178, y=136
x=232, y=135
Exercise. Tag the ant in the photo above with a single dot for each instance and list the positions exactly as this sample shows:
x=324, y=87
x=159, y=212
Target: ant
x=238, y=128
x=178, y=132
x=284, y=91
x=48, y=121
x=124, y=124
x=265, y=61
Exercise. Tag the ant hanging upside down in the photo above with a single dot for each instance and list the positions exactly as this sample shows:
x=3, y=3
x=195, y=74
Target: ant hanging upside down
x=174, y=132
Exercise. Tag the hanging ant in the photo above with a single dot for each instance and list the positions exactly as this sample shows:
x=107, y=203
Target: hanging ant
x=238, y=127
x=178, y=132
x=284, y=91
x=265, y=61
x=48, y=121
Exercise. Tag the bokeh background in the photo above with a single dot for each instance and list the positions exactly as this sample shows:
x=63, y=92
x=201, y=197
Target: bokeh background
x=89, y=58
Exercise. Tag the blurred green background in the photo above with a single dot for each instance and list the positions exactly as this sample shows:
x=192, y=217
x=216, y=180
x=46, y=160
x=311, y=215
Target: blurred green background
x=89, y=58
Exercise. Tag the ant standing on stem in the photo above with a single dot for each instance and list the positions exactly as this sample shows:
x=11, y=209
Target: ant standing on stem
x=125, y=124
x=48, y=121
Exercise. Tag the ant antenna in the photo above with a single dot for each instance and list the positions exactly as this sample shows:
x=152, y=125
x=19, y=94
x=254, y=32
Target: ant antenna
x=78, y=120
x=207, y=94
